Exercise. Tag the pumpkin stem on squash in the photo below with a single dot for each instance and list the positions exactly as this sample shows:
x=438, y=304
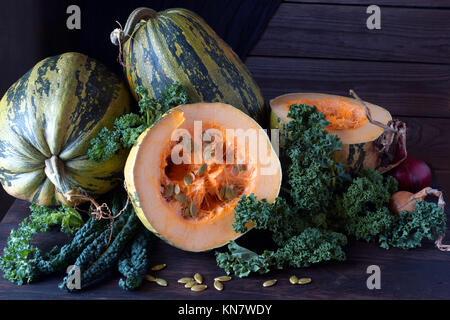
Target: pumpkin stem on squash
x=54, y=169
x=391, y=144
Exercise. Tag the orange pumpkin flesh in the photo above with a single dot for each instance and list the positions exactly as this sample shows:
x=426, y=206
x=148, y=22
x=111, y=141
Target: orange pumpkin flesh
x=191, y=205
x=348, y=122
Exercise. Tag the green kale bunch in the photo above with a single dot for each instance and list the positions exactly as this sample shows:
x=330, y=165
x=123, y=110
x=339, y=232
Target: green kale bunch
x=128, y=127
x=299, y=244
x=313, y=175
x=19, y=263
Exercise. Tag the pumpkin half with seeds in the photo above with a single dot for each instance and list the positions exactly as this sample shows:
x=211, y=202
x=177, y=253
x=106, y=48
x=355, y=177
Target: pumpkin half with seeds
x=187, y=172
x=370, y=138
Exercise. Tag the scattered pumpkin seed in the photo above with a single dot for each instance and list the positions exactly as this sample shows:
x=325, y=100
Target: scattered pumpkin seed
x=199, y=287
x=150, y=278
x=269, y=283
x=222, y=278
x=190, y=284
x=218, y=285
x=198, y=278
x=193, y=210
x=161, y=282
x=189, y=178
x=293, y=280
x=168, y=192
x=304, y=280
x=177, y=189
x=201, y=171
x=185, y=280
x=159, y=267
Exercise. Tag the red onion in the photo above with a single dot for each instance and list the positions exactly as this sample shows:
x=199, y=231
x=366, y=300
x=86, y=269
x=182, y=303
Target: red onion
x=412, y=174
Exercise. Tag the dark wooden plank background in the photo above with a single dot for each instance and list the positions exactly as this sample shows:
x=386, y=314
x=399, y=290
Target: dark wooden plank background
x=324, y=46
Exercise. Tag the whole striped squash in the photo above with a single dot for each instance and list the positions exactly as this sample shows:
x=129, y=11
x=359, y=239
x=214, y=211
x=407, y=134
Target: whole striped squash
x=160, y=48
x=47, y=119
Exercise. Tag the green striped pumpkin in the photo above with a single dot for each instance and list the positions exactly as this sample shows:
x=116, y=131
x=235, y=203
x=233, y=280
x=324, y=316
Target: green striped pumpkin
x=178, y=45
x=47, y=119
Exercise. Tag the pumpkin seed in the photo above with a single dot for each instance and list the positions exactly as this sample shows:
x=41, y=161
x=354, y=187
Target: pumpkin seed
x=304, y=280
x=177, y=189
x=201, y=171
x=293, y=280
x=229, y=193
x=159, y=267
x=190, y=284
x=185, y=280
x=168, y=192
x=188, y=178
x=150, y=278
x=199, y=287
x=181, y=197
x=269, y=283
x=193, y=210
x=161, y=282
x=218, y=285
x=222, y=278
x=198, y=278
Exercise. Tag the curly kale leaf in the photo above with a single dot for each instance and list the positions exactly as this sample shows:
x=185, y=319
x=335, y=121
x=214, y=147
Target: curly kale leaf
x=312, y=173
x=276, y=217
x=363, y=209
x=133, y=263
x=128, y=127
x=310, y=246
x=426, y=222
x=242, y=261
x=19, y=262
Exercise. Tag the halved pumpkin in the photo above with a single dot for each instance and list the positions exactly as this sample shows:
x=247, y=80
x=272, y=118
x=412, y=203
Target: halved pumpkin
x=361, y=138
x=186, y=174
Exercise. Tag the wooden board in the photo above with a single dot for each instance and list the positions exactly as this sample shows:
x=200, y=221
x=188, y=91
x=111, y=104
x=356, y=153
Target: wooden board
x=416, y=274
x=340, y=32
x=399, y=3
x=405, y=89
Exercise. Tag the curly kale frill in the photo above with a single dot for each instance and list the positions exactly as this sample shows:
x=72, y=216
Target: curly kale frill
x=20, y=260
x=313, y=175
x=128, y=127
x=309, y=247
x=299, y=244
x=133, y=264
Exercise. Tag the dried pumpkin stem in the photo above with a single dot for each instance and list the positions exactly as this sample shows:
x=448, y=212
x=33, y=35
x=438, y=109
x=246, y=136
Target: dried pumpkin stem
x=54, y=169
x=393, y=137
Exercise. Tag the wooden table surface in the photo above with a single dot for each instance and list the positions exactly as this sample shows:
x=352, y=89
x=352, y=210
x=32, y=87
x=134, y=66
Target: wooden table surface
x=421, y=273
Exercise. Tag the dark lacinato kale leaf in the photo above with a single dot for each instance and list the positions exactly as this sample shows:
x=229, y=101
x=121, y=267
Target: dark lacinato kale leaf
x=133, y=263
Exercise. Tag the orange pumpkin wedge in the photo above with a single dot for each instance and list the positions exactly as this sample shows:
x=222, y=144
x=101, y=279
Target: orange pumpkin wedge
x=187, y=172
x=348, y=121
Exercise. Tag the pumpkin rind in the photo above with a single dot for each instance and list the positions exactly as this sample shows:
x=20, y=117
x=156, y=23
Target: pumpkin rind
x=56, y=108
x=179, y=46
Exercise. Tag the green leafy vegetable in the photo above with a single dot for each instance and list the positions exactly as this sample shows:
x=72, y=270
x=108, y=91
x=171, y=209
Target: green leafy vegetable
x=19, y=262
x=128, y=127
x=133, y=264
x=312, y=173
